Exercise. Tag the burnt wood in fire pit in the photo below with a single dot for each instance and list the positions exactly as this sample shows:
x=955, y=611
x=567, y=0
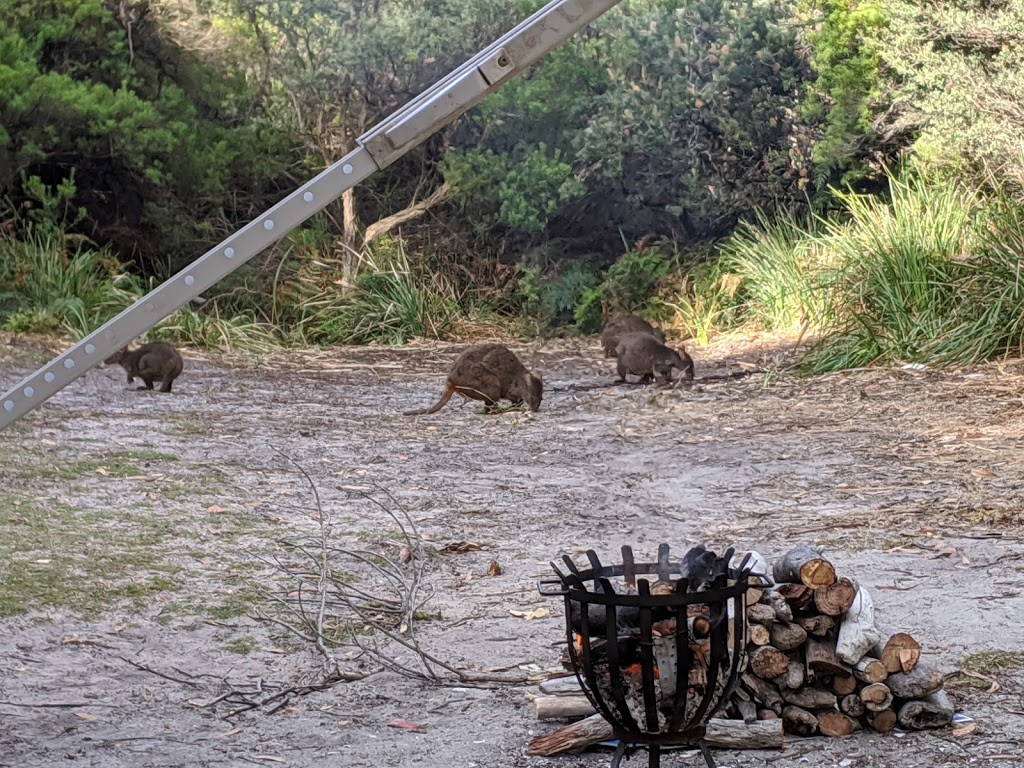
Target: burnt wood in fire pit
x=656, y=656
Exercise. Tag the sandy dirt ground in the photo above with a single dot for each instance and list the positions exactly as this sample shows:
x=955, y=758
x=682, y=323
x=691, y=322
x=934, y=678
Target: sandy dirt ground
x=137, y=529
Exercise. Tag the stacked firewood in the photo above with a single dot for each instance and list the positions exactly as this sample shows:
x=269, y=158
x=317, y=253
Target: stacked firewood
x=816, y=664
x=817, y=660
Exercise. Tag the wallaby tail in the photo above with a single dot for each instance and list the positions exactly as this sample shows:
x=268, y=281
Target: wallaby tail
x=448, y=392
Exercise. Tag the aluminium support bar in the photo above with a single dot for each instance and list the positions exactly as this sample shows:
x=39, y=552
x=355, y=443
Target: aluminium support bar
x=445, y=101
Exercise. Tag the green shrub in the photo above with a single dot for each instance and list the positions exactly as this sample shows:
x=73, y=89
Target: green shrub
x=782, y=266
x=389, y=304
x=48, y=283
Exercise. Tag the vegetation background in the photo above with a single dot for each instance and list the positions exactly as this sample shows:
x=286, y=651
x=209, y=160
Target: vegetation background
x=847, y=171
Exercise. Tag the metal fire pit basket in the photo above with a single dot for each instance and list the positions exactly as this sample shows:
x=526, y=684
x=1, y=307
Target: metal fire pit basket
x=655, y=685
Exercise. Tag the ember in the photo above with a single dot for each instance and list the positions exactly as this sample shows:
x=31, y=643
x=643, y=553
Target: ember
x=656, y=657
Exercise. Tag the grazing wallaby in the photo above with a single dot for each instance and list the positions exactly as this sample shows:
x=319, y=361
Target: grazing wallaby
x=620, y=326
x=156, y=361
x=640, y=354
x=489, y=372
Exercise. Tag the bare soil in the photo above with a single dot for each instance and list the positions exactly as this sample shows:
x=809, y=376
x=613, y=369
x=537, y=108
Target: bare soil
x=132, y=527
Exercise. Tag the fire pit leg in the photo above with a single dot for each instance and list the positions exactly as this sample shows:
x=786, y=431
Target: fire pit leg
x=707, y=754
x=620, y=752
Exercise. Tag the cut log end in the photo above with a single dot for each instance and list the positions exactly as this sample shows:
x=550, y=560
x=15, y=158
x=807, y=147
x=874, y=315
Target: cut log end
x=804, y=565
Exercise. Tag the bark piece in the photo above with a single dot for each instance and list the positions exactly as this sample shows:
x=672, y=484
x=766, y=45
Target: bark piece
x=810, y=697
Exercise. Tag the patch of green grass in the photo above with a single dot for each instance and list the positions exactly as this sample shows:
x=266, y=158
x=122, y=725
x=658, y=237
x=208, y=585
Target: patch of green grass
x=186, y=425
x=236, y=605
x=990, y=662
x=243, y=646
x=55, y=557
x=27, y=464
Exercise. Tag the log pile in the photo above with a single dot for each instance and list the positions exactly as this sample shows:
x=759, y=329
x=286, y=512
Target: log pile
x=816, y=664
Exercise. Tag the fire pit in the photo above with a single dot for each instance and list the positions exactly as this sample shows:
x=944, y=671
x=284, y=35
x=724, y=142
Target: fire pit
x=655, y=656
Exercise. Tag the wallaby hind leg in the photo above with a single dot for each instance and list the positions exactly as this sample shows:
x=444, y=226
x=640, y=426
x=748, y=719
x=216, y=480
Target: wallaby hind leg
x=621, y=368
x=147, y=382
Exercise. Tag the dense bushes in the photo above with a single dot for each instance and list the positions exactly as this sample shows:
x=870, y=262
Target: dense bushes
x=709, y=162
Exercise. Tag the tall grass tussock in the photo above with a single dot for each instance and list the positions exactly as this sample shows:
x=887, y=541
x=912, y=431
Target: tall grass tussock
x=930, y=274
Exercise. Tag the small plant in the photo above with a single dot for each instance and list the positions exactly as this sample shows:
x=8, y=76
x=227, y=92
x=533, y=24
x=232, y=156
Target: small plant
x=389, y=304
x=706, y=302
x=48, y=283
x=554, y=298
x=212, y=331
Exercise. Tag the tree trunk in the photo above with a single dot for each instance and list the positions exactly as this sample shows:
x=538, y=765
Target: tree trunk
x=350, y=258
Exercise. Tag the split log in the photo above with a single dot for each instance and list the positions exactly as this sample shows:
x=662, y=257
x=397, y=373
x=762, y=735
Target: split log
x=768, y=663
x=556, y=707
x=857, y=632
x=852, y=705
x=561, y=686
x=763, y=692
x=876, y=697
x=799, y=721
x=804, y=565
x=933, y=711
x=835, y=724
x=916, y=685
x=900, y=653
x=758, y=634
x=822, y=658
x=786, y=637
x=721, y=734
x=844, y=685
x=795, y=676
x=810, y=697
x=799, y=596
x=819, y=626
x=835, y=599
x=778, y=603
x=760, y=613
x=869, y=670
x=883, y=721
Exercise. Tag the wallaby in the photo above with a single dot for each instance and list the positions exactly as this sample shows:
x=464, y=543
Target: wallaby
x=489, y=372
